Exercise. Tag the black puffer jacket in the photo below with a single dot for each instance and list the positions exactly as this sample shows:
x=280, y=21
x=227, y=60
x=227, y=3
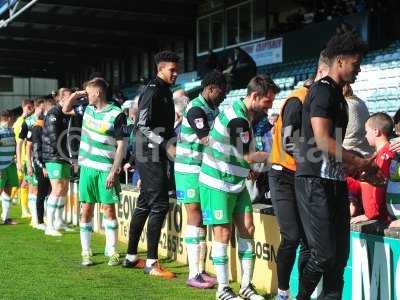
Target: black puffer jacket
x=54, y=136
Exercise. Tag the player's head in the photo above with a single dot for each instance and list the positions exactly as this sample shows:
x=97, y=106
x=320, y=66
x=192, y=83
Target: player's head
x=179, y=93
x=323, y=66
x=63, y=94
x=345, y=52
x=261, y=92
x=180, y=103
x=27, y=107
x=5, y=117
x=39, y=106
x=347, y=91
x=396, y=121
x=167, y=66
x=96, y=90
x=214, y=87
x=49, y=102
x=379, y=125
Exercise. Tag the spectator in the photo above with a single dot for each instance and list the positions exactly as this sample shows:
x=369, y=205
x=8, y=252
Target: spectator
x=129, y=165
x=393, y=188
x=181, y=101
x=379, y=127
x=396, y=121
x=241, y=70
x=211, y=63
x=119, y=97
x=258, y=187
x=358, y=116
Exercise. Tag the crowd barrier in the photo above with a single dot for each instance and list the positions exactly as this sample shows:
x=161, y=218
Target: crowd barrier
x=372, y=271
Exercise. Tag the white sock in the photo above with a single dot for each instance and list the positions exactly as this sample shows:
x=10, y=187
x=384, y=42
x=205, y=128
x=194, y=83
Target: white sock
x=150, y=262
x=32, y=208
x=246, y=257
x=5, y=204
x=132, y=257
x=111, y=227
x=85, y=233
x=51, y=210
x=193, y=249
x=203, y=249
x=58, y=221
x=219, y=254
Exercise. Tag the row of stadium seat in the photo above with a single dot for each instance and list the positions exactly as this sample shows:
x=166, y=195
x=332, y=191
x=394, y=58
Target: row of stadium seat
x=377, y=84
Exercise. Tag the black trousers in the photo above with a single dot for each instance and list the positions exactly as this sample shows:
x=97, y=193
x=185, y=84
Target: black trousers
x=152, y=204
x=324, y=212
x=283, y=196
x=44, y=189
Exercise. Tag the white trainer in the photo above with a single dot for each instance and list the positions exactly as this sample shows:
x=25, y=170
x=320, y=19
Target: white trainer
x=64, y=227
x=52, y=232
x=41, y=226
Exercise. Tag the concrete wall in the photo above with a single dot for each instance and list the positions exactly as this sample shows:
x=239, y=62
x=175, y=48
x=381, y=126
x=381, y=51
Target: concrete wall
x=26, y=88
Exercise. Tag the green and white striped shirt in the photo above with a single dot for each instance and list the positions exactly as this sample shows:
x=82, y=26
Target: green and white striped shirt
x=98, y=143
x=223, y=167
x=189, y=150
x=7, y=147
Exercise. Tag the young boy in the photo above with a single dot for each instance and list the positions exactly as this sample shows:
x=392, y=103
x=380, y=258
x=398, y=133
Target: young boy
x=8, y=169
x=378, y=129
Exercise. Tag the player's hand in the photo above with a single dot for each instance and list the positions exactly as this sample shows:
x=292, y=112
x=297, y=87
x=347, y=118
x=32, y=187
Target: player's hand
x=171, y=151
x=358, y=219
x=24, y=184
x=30, y=170
x=127, y=167
x=395, y=145
x=110, y=180
x=79, y=94
x=395, y=224
x=19, y=168
x=252, y=175
x=371, y=173
x=45, y=173
x=75, y=168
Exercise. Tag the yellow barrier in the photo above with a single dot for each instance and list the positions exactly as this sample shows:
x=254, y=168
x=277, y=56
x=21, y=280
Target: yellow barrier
x=172, y=237
x=172, y=245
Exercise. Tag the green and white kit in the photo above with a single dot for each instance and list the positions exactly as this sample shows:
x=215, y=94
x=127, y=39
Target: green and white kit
x=223, y=171
x=96, y=155
x=189, y=154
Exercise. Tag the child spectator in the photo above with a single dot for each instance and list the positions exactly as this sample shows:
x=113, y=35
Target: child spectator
x=393, y=189
x=378, y=128
x=393, y=193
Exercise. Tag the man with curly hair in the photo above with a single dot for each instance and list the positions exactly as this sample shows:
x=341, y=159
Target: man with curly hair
x=154, y=130
x=320, y=183
x=198, y=120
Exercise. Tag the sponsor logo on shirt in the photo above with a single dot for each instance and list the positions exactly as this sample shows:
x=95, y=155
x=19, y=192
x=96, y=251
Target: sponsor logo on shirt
x=98, y=125
x=191, y=193
x=218, y=214
x=199, y=123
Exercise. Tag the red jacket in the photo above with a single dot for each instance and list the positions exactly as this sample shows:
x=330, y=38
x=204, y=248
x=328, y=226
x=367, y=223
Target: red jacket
x=374, y=198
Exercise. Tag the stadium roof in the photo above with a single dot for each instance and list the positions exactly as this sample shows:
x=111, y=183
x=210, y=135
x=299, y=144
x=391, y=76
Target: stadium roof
x=54, y=36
